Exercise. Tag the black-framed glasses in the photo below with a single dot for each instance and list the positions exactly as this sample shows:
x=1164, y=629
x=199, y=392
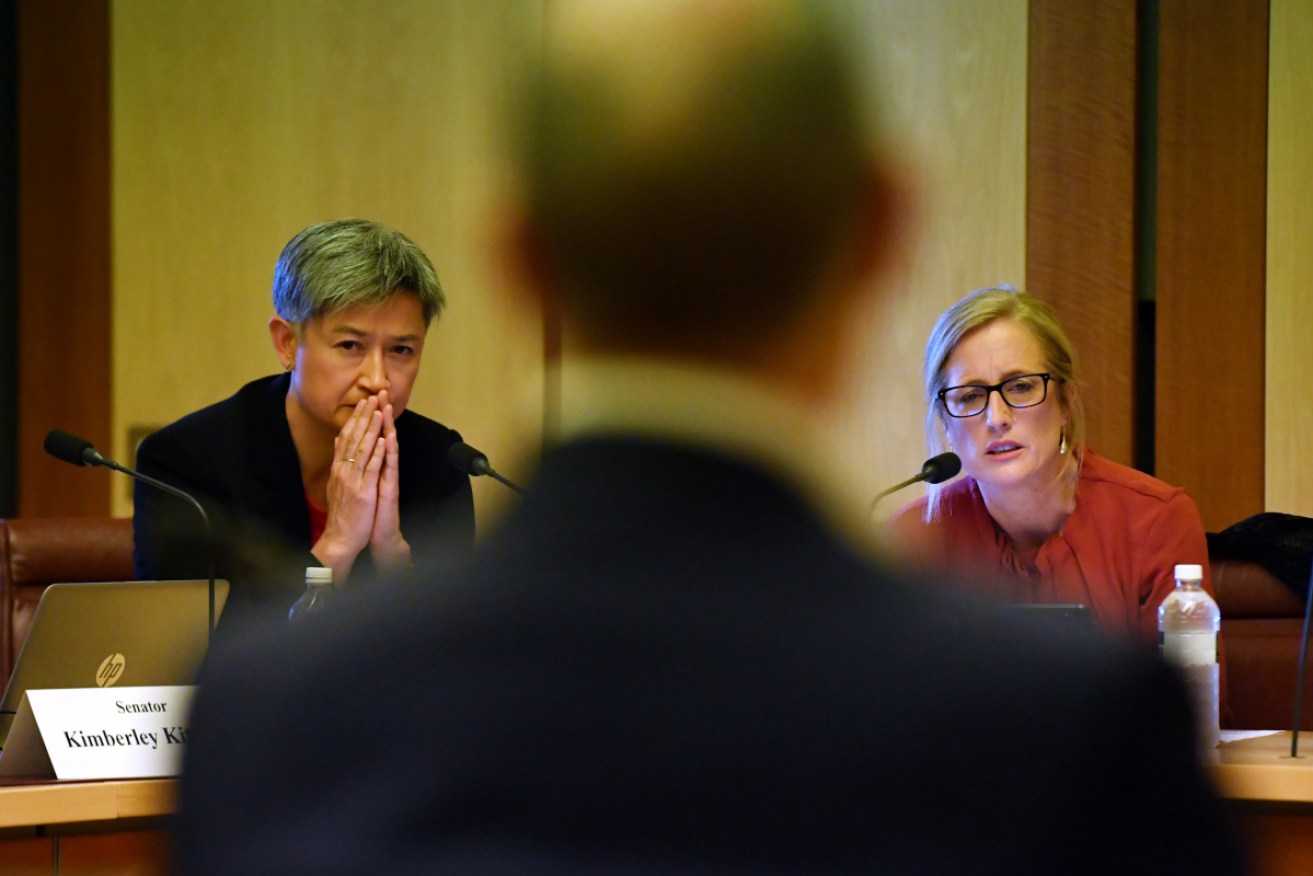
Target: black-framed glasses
x=1022, y=391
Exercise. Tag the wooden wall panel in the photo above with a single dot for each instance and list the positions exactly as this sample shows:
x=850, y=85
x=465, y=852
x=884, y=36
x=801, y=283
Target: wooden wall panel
x=1212, y=129
x=64, y=291
x=27, y=855
x=1289, y=416
x=136, y=852
x=1080, y=198
x=8, y=258
x=950, y=84
x=237, y=124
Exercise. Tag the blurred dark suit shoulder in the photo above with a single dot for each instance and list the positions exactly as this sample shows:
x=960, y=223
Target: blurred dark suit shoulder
x=662, y=662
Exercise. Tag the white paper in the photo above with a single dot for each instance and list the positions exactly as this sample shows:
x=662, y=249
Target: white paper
x=101, y=733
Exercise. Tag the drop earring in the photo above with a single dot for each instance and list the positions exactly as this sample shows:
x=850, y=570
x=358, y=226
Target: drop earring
x=1062, y=442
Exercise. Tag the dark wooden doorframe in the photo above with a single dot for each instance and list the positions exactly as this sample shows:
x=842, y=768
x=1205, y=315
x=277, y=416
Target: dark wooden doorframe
x=1146, y=187
x=64, y=288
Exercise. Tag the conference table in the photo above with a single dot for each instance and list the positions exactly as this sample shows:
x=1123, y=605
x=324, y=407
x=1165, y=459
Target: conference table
x=71, y=828
x=121, y=826
x=1272, y=794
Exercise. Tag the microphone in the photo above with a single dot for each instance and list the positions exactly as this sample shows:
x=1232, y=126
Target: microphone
x=80, y=451
x=1299, y=675
x=936, y=470
x=72, y=449
x=465, y=458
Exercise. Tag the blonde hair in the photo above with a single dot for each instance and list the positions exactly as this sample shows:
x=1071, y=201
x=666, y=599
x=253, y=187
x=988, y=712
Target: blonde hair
x=973, y=312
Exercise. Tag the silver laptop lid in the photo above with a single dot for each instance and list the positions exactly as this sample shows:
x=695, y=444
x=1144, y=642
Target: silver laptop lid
x=116, y=633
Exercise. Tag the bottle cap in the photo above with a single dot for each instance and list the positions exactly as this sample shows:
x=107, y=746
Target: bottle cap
x=318, y=575
x=1189, y=572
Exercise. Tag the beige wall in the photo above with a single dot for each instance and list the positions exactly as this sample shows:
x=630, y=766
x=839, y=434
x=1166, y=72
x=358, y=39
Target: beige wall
x=1289, y=414
x=236, y=124
x=954, y=74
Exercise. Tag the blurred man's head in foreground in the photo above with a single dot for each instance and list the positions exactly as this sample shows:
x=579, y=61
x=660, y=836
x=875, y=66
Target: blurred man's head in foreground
x=698, y=176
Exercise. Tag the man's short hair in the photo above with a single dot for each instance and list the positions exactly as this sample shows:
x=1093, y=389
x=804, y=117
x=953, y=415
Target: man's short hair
x=691, y=188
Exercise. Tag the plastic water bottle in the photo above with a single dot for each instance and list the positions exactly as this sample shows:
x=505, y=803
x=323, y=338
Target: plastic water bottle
x=1188, y=622
x=318, y=591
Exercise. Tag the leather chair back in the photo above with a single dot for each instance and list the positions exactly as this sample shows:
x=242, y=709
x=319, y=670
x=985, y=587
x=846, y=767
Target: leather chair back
x=1262, y=622
x=38, y=552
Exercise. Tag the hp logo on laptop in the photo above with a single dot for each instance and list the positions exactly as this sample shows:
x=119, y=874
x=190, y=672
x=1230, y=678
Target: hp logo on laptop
x=111, y=669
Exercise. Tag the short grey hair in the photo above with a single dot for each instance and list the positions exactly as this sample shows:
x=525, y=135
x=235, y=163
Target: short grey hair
x=344, y=262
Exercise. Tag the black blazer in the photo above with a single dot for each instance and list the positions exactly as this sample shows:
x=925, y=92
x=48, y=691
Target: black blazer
x=663, y=663
x=238, y=459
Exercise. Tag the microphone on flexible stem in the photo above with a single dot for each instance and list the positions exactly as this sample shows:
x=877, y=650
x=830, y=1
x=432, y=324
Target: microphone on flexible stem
x=936, y=470
x=465, y=458
x=1299, y=676
x=79, y=451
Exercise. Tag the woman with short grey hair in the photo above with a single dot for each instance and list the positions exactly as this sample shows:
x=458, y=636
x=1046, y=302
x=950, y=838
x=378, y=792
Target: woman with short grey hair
x=305, y=468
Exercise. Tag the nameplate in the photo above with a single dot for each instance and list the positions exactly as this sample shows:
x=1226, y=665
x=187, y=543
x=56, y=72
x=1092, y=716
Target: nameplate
x=99, y=733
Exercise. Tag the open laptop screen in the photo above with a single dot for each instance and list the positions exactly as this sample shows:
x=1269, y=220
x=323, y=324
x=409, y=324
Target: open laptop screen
x=118, y=633
x=1073, y=616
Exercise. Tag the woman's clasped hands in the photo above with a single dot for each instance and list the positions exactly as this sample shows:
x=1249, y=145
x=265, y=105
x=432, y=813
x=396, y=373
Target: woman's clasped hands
x=363, y=492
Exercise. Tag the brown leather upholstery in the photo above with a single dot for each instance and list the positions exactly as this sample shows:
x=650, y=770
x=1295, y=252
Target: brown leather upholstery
x=37, y=552
x=1262, y=621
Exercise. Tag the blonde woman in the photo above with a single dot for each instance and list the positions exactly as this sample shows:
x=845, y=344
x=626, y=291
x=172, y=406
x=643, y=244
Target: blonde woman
x=1042, y=516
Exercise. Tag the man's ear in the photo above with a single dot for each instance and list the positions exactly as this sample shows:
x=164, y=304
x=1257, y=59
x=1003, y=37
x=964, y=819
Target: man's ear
x=888, y=218
x=285, y=339
x=875, y=244
x=521, y=255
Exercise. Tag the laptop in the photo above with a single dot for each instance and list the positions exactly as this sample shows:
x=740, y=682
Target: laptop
x=1072, y=617
x=117, y=633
